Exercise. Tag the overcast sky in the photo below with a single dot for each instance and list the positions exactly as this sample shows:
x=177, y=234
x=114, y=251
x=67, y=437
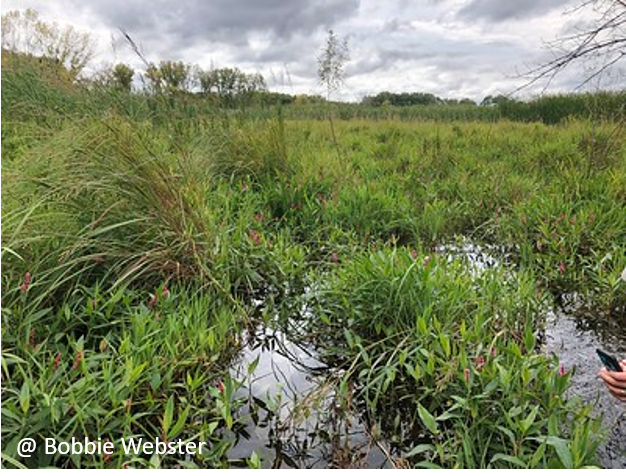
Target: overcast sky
x=451, y=48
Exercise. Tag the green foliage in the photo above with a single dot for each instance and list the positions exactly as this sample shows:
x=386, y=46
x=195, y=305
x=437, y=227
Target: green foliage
x=123, y=76
x=231, y=85
x=112, y=198
x=108, y=365
x=331, y=63
x=444, y=361
x=25, y=32
x=387, y=98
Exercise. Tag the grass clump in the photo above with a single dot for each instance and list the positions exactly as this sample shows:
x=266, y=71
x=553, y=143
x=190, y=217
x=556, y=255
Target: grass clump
x=443, y=360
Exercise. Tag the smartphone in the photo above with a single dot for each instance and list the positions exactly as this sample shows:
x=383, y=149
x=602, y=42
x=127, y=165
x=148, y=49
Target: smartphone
x=609, y=361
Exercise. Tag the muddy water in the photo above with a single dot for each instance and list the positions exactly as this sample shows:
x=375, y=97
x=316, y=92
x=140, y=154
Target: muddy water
x=575, y=340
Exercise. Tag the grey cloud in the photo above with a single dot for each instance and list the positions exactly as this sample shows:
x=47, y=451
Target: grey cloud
x=231, y=21
x=386, y=60
x=501, y=10
x=297, y=48
x=193, y=29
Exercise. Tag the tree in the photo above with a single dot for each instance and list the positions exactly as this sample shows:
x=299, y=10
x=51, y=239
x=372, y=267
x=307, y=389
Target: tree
x=230, y=83
x=24, y=32
x=496, y=100
x=155, y=80
x=331, y=63
x=122, y=77
x=175, y=75
x=331, y=73
x=402, y=99
x=601, y=37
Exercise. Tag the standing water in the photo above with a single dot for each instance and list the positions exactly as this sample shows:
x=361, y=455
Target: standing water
x=575, y=340
x=293, y=420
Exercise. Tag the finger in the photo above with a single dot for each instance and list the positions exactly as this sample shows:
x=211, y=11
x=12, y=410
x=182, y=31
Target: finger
x=610, y=380
x=614, y=376
x=619, y=376
x=620, y=395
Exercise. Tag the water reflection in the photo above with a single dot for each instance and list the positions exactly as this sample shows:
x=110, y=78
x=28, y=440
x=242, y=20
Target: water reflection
x=291, y=418
x=574, y=339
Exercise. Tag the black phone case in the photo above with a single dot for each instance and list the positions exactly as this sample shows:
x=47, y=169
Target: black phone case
x=609, y=361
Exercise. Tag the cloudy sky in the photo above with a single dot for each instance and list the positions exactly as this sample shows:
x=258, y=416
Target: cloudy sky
x=451, y=48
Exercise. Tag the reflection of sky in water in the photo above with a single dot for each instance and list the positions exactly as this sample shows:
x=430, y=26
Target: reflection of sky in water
x=282, y=368
x=287, y=370
x=574, y=341
x=478, y=257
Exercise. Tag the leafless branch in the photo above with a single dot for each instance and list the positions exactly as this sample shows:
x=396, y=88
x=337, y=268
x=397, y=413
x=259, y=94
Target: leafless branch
x=605, y=36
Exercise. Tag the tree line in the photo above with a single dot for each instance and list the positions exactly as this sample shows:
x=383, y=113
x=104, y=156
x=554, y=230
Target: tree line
x=63, y=52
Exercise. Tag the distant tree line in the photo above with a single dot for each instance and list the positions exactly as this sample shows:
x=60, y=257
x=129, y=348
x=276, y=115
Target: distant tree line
x=387, y=98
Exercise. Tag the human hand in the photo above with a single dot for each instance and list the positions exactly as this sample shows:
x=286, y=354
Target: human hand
x=615, y=381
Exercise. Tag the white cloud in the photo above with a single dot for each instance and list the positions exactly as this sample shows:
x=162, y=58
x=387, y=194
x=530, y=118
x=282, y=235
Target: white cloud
x=451, y=48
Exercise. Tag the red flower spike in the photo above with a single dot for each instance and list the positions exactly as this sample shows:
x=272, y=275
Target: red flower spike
x=166, y=292
x=26, y=284
x=57, y=362
x=153, y=301
x=479, y=363
x=562, y=267
x=255, y=237
x=220, y=386
x=78, y=359
x=562, y=371
x=466, y=375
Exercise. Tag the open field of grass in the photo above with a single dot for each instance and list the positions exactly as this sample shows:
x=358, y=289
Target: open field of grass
x=136, y=244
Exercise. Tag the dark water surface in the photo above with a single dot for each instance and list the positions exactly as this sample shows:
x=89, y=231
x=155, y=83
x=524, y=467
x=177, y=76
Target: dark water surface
x=575, y=340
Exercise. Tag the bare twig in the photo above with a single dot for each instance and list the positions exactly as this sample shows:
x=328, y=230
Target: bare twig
x=605, y=36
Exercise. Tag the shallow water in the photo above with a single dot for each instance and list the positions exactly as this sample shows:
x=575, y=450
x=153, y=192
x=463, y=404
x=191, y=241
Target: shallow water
x=303, y=427
x=478, y=257
x=575, y=340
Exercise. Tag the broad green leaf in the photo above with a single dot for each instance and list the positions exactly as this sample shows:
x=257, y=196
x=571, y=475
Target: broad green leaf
x=25, y=397
x=427, y=465
x=530, y=419
x=509, y=459
x=180, y=423
x=168, y=417
x=561, y=447
x=427, y=419
x=419, y=449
